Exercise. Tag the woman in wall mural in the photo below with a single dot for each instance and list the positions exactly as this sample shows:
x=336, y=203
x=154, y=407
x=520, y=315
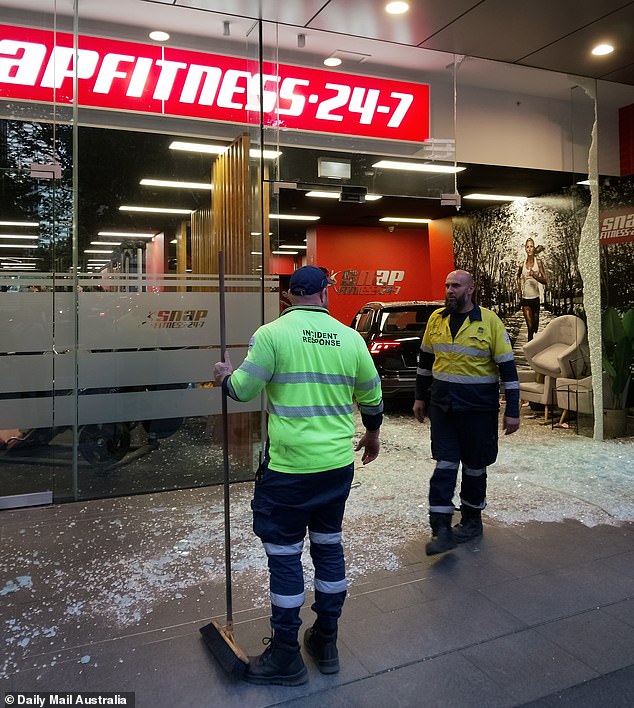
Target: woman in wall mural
x=530, y=275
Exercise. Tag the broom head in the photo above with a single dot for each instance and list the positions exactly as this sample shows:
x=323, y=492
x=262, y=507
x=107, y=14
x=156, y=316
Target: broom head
x=228, y=654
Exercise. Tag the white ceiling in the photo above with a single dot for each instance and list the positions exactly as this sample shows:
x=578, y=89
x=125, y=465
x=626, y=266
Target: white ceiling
x=543, y=34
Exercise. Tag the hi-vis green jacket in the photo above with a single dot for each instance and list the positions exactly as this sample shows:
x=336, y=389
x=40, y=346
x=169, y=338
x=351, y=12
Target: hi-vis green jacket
x=312, y=367
x=464, y=373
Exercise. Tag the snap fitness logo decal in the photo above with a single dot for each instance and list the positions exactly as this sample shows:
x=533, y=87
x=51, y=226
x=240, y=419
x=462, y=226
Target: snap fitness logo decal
x=39, y=65
x=368, y=282
x=617, y=226
x=175, y=319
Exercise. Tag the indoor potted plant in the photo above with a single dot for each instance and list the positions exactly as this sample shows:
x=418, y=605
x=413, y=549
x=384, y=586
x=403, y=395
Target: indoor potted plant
x=618, y=356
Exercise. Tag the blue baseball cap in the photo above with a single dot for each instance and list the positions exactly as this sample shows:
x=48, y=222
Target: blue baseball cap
x=309, y=280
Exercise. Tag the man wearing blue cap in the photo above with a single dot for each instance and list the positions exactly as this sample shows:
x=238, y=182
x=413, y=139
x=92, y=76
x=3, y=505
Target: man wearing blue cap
x=313, y=368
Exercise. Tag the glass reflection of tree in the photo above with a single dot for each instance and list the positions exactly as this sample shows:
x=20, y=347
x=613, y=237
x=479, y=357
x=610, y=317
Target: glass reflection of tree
x=46, y=201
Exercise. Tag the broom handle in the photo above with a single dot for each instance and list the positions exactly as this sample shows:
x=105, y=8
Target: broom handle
x=225, y=448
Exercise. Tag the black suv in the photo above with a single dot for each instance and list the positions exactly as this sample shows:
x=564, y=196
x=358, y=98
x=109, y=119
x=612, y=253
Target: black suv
x=393, y=332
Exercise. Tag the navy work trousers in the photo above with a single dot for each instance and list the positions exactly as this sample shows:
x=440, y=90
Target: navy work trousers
x=467, y=437
x=284, y=507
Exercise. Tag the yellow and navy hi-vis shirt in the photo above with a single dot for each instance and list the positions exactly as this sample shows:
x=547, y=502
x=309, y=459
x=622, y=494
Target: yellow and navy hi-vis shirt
x=312, y=367
x=463, y=371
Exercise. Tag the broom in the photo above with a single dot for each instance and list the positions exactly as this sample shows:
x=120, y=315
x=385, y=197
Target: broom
x=219, y=639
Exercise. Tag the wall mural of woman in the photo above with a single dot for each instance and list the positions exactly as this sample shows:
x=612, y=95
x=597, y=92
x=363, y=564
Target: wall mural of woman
x=531, y=279
x=486, y=243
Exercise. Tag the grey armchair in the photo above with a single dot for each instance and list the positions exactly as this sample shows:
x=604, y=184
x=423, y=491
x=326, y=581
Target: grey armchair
x=552, y=354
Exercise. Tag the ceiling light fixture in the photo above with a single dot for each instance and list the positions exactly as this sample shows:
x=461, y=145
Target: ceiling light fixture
x=405, y=220
x=105, y=243
x=97, y=250
x=396, y=8
x=19, y=236
x=155, y=210
x=159, y=36
x=602, y=49
x=175, y=184
x=495, y=197
x=210, y=149
x=19, y=223
x=332, y=61
x=284, y=253
x=131, y=234
x=417, y=167
x=293, y=217
x=18, y=245
x=299, y=245
x=336, y=195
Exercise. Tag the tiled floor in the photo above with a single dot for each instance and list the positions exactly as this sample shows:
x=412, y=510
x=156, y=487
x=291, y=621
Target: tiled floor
x=538, y=614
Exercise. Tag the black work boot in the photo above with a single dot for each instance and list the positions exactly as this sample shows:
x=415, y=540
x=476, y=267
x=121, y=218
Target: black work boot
x=442, y=535
x=470, y=525
x=322, y=646
x=279, y=664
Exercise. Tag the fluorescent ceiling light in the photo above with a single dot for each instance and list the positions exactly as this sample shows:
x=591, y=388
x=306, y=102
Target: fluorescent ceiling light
x=284, y=245
x=495, y=197
x=105, y=243
x=602, y=49
x=293, y=217
x=175, y=184
x=156, y=210
x=256, y=253
x=210, y=149
x=336, y=195
x=405, y=220
x=416, y=166
x=584, y=182
x=159, y=36
x=131, y=234
x=197, y=147
x=20, y=223
x=96, y=250
x=284, y=253
x=19, y=236
x=396, y=8
x=174, y=240
x=332, y=61
x=18, y=245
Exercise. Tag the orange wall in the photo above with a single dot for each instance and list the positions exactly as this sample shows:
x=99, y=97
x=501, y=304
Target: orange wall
x=156, y=258
x=284, y=264
x=440, y=253
x=375, y=264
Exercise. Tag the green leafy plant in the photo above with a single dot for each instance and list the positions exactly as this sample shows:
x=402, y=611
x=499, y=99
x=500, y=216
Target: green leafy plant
x=618, y=351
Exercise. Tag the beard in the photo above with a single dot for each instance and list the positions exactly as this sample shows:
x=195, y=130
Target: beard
x=455, y=304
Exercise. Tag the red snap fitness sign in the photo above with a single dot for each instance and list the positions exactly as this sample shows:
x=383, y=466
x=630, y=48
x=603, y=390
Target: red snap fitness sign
x=617, y=226
x=38, y=65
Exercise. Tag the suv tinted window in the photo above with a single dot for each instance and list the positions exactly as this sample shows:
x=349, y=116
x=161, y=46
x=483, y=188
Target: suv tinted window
x=405, y=320
x=363, y=321
x=392, y=331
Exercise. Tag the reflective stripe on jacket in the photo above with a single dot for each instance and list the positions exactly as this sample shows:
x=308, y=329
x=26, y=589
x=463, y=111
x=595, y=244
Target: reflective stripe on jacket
x=312, y=367
x=465, y=369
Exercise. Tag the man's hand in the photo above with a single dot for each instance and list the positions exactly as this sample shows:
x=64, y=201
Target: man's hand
x=371, y=445
x=419, y=410
x=510, y=425
x=222, y=369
